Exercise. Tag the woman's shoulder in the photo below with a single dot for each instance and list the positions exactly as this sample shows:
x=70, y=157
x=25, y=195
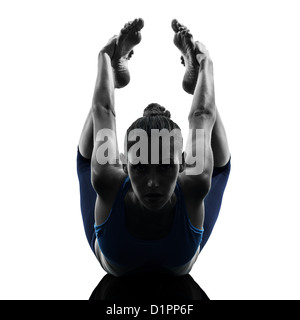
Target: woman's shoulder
x=193, y=194
x=108, y=195
x=193, y=185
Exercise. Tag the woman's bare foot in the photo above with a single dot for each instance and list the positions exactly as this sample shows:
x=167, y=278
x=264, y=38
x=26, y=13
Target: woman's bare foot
x=120, y=50
x=183, y=40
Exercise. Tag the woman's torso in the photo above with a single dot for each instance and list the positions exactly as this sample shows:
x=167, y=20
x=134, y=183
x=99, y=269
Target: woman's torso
x=129, y=238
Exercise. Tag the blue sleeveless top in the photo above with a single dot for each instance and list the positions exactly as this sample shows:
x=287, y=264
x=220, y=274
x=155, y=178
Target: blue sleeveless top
x=176, y=252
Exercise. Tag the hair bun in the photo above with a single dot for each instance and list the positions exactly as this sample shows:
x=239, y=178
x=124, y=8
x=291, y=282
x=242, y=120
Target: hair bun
x=154, y=109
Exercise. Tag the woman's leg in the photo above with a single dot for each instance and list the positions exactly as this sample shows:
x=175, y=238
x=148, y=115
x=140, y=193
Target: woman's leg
x=104, y=92
x=87, y=197
x=222, y=166
x=213, y=200
x=219, y=143
x=86, y=141
x=119, y=49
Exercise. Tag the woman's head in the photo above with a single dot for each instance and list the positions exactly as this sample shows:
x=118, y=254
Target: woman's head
x=156, y=119
x=153, y=146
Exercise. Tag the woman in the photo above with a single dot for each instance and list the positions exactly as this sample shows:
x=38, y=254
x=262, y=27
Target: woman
x=144, y=215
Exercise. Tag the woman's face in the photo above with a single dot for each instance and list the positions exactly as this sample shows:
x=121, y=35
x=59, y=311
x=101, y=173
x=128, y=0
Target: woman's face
x=154, y=184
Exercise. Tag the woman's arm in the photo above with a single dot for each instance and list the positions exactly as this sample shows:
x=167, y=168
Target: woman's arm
x=202, y=117
x=105, y=157
x=196, y=178
x=205, y=100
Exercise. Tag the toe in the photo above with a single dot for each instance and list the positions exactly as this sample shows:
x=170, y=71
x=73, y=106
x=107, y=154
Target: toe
x=133, y=24
x=188, y=34
x=181, y=26
x=182, y=35
x=174, y=25
x=125, y=29
x=139, y=24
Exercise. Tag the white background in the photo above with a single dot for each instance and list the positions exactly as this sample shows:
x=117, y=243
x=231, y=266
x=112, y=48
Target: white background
x=47, y=74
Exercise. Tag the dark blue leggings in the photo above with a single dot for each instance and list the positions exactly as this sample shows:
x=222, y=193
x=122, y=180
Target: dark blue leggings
x=213, y=200
x=88, y=196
